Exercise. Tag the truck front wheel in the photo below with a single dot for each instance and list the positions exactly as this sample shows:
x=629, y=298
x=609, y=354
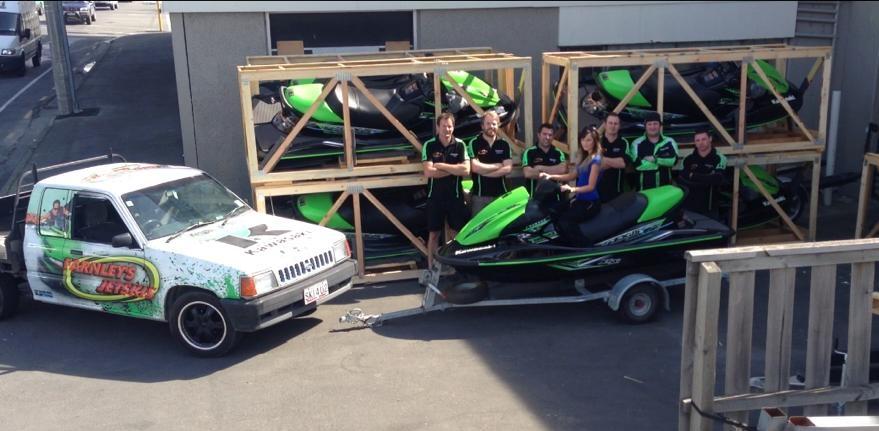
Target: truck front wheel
x=8, y=297
x=200, y=325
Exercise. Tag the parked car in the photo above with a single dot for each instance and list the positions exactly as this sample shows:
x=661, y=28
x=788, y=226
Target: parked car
x=112, y=5
x=20, y=36
x=164, y=243
x=81, y=11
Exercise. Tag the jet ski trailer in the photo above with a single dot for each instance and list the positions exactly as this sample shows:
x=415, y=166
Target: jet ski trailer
x=635, y=297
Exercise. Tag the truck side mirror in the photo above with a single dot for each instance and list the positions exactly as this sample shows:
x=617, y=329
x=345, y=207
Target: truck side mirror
x=123, y=240
x=26, y=34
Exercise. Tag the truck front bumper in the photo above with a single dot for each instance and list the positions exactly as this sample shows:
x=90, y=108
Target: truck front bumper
x=288, y=302
x=10, y=63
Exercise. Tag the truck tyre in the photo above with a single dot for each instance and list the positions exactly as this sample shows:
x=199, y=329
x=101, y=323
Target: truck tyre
x=201, y=325
x=640, y=303
x=88, y=19
x=8, y=297
x=22, y=71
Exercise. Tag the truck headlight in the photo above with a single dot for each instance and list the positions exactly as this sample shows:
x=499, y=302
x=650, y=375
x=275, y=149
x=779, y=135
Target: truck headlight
x=341, y=250
x=258, y=284
x=7, y=51
x=84, y=9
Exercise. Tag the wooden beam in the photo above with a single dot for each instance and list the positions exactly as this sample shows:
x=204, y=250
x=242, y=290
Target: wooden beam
x=358, y=235
x=276, y=152
x=814, y=190
x=819, y=346
x=734, y=212
x=743, y=101
x=437, y=98
x=779, y=326
x=573, y=111
x=301, y=188
x=396, y=222
x=387, y=277
x=814, y=70
x=825, y=395
x=864, y=197
x=739, y=333
x=790, y=111
x=557, y=101
x=790, y=224
x=682, y=56
x=545, y=71
x=387, y=114
x=824, y=107
x=335, y=173
x=660, y=93
x=705, y=353
x=346, y=119
x=247, y=123
x=857, y=369
x=335, y=208
x=705, y=111
x=525, y=93
x=688, y=340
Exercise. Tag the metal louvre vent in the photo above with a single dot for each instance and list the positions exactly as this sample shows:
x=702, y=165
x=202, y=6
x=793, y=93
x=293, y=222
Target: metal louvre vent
x=305, y=267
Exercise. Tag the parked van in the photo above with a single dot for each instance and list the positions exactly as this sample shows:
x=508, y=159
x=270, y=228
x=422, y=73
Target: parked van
x=20, y=36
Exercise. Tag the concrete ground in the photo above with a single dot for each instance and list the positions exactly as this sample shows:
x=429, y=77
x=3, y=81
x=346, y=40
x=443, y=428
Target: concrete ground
x=559, y=367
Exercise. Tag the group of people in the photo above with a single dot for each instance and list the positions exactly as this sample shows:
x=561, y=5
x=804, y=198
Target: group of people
x=606, y=166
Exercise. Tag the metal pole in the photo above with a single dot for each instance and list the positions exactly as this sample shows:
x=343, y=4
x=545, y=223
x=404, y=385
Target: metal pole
x=159, y=14
x=830, y=169
x=62, y=71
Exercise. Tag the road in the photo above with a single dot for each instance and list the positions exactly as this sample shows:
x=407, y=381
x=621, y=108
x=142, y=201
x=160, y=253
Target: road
x=25, y=100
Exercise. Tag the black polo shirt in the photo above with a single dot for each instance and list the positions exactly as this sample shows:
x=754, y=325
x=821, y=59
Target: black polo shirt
x=535, y=156
x=448, y=187
x=613, y=180
x=481, y=150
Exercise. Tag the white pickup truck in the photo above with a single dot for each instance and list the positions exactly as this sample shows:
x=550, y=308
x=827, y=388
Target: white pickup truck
x=164, y=243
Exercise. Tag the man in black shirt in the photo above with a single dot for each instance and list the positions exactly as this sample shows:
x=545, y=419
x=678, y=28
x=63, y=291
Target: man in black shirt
x=704, y=172
x=490, y=163
x=653, y=155
x=613, y=164
x=543, y=157
x=445, y=162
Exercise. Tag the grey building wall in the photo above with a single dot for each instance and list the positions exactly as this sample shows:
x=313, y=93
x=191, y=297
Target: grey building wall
x=207, y=49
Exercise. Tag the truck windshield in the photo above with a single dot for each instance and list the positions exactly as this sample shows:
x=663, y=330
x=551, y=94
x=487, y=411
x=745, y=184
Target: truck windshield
x=172, y=207
x=8, y=23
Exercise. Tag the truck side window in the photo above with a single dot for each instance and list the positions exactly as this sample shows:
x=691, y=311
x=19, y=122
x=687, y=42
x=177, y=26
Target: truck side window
x=55, y=213
x=95, y=220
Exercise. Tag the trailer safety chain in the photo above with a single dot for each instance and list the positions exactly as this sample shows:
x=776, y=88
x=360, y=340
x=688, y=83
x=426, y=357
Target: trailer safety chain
x=722, y=419
x=356, y=315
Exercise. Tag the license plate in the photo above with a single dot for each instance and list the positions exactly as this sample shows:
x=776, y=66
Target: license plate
x=316, y=291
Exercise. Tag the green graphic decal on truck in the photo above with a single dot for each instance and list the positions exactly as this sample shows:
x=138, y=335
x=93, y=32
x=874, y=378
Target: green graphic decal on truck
x=119, y=278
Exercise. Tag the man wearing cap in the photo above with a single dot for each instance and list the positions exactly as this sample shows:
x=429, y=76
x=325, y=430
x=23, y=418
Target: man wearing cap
x=653, y=155
x=704, y=172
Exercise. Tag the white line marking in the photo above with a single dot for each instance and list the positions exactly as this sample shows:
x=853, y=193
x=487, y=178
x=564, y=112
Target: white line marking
x=34, y=81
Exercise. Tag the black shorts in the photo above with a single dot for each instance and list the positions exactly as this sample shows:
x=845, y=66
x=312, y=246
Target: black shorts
x=440, y=211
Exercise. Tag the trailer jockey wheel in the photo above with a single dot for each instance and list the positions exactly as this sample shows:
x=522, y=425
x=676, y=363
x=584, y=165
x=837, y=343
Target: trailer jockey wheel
x=640, y=303
x=468, y=292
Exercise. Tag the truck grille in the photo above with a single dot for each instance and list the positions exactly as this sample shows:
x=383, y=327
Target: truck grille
x=305, y=267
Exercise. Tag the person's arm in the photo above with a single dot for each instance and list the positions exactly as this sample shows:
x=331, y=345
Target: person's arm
x=568, y=174
x=667, y=155
x=591, y=185
x=458, y=169
x=505, y=168
x=431, y=170
x=613, y=163
x=484, y=169
x=717, y=175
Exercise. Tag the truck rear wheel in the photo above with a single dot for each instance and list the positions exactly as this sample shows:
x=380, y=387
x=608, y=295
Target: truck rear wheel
x=8, y=297
x=201, y=325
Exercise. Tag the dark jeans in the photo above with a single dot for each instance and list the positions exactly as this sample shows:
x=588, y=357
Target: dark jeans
x=570, y=220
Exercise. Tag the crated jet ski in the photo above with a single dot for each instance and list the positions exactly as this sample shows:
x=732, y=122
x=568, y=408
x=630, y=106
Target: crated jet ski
x=409, y=97
x=382, y=240
x=515, y=238
x=717, y=84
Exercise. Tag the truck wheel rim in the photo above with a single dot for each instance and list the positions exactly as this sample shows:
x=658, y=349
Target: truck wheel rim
x=640, y=304
x=201, y=325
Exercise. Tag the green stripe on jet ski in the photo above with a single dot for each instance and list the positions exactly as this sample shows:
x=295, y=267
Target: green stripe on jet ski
x=603, y=252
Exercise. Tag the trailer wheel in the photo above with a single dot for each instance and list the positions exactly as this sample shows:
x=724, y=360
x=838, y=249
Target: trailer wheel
x=8, y=298
x=640, y=303
x=468, y=292
x=199, y=323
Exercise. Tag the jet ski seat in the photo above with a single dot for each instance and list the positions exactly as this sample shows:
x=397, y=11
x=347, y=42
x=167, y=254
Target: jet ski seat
x=613, y=217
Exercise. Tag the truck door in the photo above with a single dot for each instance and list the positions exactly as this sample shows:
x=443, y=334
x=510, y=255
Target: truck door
x=45, y=251
x=105, y=266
